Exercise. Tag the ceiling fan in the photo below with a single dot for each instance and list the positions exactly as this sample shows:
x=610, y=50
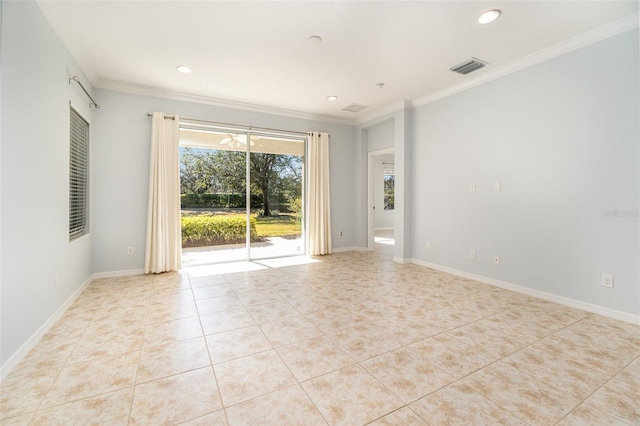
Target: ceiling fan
x=236, y=140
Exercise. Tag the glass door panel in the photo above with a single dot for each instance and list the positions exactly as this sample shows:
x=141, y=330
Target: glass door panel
x=213, y=197
x=276, y=171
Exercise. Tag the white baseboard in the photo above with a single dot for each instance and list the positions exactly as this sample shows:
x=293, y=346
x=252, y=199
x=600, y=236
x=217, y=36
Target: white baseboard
x=115, y=274
x=601, y=310
x=26, y=347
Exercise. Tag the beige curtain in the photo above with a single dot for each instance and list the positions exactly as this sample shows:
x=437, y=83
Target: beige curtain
x=319, y=207
x=163, y=248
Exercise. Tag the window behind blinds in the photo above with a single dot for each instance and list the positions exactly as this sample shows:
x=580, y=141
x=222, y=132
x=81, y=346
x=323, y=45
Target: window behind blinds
x=78, y=176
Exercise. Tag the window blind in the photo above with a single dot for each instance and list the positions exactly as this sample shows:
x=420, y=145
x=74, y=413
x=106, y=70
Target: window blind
x=78, y=176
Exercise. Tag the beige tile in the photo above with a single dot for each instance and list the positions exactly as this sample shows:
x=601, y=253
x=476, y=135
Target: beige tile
x=20, y=394
x=175, y=399
x=258, y=297
x=50, y=353
x=487, y=339
x=586, y=415
x=517, y=323
x=364, y=341
x=159, y=333
x=350, y=396
x=290, y=330
x=99, y=344
x=452, y=355
x=559, y=372
x=591, y=334
x=631, y=374
x=407, y=375
x=172, y=358
x=619, y=399
x=219, y=290
x=274, y=311
x=218, y=304
x=214, y=419
x=403, y=416
x=332, y=320
x=596, y=357
x=22, y=420
x=207, y=281
x=90, y=378
x=314, y=357
x=287, y=406
x=108, y=408
x=164, y=311
x=530, y=399
x=236, y=343
x=251, y=376
x=459, y=404
x=219, y=322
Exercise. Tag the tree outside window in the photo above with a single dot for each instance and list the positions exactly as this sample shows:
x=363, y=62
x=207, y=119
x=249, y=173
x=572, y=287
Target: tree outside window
x=389, y=191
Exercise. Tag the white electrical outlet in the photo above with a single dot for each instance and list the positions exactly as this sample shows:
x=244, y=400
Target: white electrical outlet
x=472, y=254
x=496, y=186
x=130, y=251
x=428, y=246
x=607, y=280
x=496, y=259
x=472, y=187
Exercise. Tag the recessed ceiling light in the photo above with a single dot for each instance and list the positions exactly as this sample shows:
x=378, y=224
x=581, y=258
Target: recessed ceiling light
x=332, y=98
x=315, y=39
x=489, y=16
x=379, y=86
x=183, y=69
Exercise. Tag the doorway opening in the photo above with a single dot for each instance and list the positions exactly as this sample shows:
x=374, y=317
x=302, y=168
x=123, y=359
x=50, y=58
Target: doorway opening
x=381, y=218
x=242, y=195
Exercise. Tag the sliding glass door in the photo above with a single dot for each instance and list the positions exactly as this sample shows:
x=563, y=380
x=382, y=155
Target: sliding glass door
x=241, y=195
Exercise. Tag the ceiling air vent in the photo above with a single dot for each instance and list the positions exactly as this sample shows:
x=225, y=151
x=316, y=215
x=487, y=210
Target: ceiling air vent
x=354, y=108
x=468, y=66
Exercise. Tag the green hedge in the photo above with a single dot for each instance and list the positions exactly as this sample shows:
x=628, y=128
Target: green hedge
x=212, y=200
x=198, y=231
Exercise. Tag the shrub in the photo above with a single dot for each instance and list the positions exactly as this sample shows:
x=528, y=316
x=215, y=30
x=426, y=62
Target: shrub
x=198, y=231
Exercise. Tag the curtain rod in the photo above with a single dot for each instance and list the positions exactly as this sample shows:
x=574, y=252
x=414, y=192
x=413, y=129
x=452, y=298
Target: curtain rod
x=77, y=80
x=173, y=117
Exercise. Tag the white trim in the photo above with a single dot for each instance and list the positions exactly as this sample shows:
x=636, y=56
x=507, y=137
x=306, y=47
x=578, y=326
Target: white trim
x=32, y=341
x=187, y=97
x=581, y=40
x=566, y=46
x=383, y=111
x=115, y=274
x=609, y=30
x=601, y=310
x=384, y=228
x=401, y=260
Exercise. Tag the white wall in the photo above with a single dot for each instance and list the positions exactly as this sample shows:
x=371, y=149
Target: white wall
x=120, y=173
x=382, y=218
x=34, y=176
x=562, y=137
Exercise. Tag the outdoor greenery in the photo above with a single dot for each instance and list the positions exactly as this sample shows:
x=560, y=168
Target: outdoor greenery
x=207, y=230
x=218, y=178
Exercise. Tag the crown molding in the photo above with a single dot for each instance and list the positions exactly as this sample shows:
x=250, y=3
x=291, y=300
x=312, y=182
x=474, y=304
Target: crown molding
x=382, y=112
x=614, y=28
x=206, y=100
x=617, y=27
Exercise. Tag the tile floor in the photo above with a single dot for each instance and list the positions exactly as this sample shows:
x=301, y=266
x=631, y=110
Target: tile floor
x=350, y=339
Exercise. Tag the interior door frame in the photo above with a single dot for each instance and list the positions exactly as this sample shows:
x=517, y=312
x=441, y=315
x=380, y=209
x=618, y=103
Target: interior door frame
x=371, y=195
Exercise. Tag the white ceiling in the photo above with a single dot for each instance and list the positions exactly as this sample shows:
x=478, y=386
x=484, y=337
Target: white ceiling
x=258, y=53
